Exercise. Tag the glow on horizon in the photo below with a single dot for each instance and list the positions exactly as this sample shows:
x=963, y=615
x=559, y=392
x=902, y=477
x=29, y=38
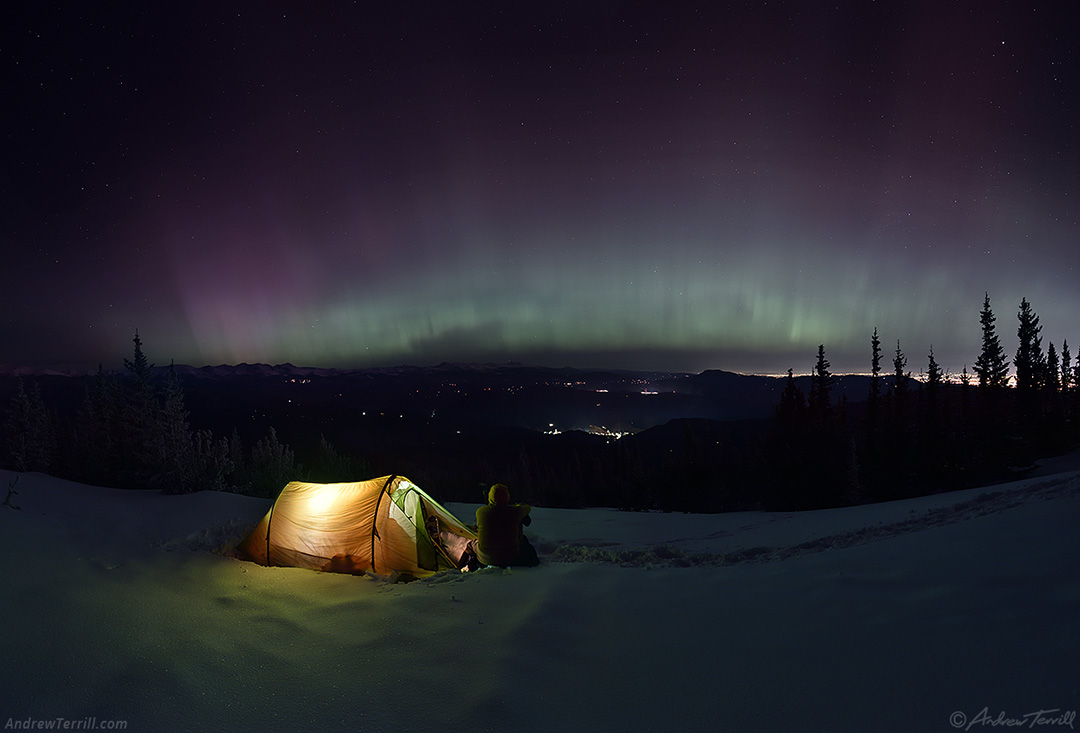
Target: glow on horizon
x=678, y=194
x=759, y=312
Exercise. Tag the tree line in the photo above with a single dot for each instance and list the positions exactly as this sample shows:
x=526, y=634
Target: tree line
x=915, y=436
x=132, y=431
x=909, y=436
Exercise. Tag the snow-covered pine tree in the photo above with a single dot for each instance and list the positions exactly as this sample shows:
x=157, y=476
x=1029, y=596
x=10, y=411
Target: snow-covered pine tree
x=96, y=441
x=272, y=465
x=31, y=435
x=174, y=440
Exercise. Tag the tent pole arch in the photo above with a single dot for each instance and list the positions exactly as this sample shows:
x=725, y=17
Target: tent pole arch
x=269, y=521
x=375, y=519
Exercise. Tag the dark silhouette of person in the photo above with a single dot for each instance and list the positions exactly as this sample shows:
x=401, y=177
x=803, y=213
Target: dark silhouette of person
x=500, y=540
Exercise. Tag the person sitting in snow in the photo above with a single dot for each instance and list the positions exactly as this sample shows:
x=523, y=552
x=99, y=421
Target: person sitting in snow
x=500, y=540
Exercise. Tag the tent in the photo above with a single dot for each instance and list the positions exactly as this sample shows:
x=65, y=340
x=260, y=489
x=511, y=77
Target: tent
x=385, y=525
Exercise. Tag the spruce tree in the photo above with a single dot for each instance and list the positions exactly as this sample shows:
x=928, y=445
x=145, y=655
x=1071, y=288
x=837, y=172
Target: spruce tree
x=875, y=366
x=1052, y=375
x=273, y=464
x=874, y=400
x=991, y=367
x=31, y=436
x=873, y=425
x=900, y=376
x=935, y=378
x=932, y=418
x=934, y=375
x=821, y=383
x=330, y=465
x=97, y=440
x=209, y=465
x=138, y=447
x=1066, y=366
x=792, y=401
x=173, y=462
x=141, y=369
x=239, y=477
x=1029, y=362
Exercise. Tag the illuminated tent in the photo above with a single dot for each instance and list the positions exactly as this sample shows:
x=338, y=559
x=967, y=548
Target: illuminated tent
x=385, y=525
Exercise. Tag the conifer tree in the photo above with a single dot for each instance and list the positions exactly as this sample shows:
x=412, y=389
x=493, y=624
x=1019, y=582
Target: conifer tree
x=991, y=367
x=31, y=437
x=209, y=464
x=97, y=426
x=330, y=465
x=138, y=443
x=931, y=421
x=1066, y=366
x=965, y=393
x=934, y=375
x=273, y=464
x=173, y=462
x=792, y=400
x=240, y=478
x=821, y=383
x=873, y=402
x=875, y=367
x=900, y=376
x=1029, y=361
x=141, y=369
x=1052, y=376
x=935, y=378
x=873, y=426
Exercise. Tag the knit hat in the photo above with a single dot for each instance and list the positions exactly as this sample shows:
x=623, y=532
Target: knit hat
x=499, y=495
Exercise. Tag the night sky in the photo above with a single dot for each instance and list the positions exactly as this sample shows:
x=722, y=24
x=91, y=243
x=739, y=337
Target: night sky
x=639, y=185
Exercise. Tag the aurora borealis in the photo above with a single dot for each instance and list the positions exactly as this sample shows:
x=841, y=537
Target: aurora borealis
x=589, y=184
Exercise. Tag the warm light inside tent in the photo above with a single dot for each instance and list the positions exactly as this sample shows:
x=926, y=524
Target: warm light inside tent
x=379, y=525
x=322, y=501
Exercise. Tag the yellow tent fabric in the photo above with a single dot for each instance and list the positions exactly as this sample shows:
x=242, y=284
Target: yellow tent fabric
x=385, y=525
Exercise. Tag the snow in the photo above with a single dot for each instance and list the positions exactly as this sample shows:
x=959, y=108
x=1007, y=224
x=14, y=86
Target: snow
x=120, y=605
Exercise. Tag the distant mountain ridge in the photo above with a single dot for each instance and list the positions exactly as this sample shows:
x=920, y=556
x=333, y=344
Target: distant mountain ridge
x=290, y=370
x=745, y=394
x=507, y=394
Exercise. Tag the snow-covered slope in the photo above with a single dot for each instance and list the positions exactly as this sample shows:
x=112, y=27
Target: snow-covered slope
x=914, y=615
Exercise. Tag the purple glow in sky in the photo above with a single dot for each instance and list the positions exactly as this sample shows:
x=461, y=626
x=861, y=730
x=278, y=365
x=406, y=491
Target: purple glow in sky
x=589, y=184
